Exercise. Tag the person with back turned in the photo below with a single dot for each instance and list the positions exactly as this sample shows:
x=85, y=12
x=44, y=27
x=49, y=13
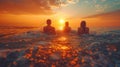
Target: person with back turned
x=49, y=29
x=67, y=29
x=83, y=29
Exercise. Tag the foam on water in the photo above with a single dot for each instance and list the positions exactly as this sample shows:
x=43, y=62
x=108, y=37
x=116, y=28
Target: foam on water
x=88, y=50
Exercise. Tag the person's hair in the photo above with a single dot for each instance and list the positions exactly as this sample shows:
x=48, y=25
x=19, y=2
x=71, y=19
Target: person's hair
x=66, y=23
x=83, y=24
x=48, y=21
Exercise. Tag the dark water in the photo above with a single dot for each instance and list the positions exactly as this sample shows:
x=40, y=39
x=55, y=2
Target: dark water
x=35, y=49
x=65, y=51
x=4, y=31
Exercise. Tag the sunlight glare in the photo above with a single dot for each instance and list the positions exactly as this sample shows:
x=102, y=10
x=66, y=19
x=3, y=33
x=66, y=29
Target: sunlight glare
x=62, y=21
x=61, y=28
x=62, y=38
x=60, y=47
x=64, y=47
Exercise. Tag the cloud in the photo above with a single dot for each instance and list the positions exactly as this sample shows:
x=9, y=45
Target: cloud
x=27, y=6
x=73, y=1
x=30, y=6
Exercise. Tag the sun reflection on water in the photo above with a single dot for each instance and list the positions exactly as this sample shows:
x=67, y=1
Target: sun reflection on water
x=53, y=55
x=60, y=47
x=62, y=38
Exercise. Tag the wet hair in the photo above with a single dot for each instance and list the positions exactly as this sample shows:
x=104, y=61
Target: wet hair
x=66, y=23
x=83, y=24
x=48, y=21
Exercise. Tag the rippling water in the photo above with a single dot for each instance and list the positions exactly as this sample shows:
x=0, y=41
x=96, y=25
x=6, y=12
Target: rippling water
x=35, y=49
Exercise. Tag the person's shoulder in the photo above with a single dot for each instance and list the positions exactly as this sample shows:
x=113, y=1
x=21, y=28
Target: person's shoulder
x=79, y=28
x=53, y=27
x=87, y=27
x=69, y=27
x=44, y=26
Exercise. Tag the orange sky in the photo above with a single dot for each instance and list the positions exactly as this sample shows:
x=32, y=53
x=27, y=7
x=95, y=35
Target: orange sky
x=36, y=12
x=39, y=21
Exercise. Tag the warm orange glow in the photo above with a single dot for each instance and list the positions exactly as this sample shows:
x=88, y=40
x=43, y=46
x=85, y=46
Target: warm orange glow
x=61, y=28
x=64, y=47
x=60, y=47
x=62, y=38
x=54, y=52
x=62, y=21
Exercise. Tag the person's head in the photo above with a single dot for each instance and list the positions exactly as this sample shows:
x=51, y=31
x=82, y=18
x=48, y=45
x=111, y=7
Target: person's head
x=48, y=22
x=67, y=23
x=83, y=24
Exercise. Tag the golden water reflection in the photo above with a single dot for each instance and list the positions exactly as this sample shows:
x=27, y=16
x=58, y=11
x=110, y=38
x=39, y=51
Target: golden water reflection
x=63, y=38
x=60, y=47
x=61, y=53
x=56, y=54
x=53, y=56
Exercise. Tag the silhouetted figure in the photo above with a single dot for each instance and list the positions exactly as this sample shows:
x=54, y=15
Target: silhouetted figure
x=83, y=29
x=49, y=29
x=67, y=29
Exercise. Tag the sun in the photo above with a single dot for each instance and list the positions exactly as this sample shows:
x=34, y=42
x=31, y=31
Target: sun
x=61, y=24
x=62, y=21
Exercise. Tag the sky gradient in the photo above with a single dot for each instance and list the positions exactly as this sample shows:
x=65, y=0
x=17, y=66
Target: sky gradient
x=35, y=12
